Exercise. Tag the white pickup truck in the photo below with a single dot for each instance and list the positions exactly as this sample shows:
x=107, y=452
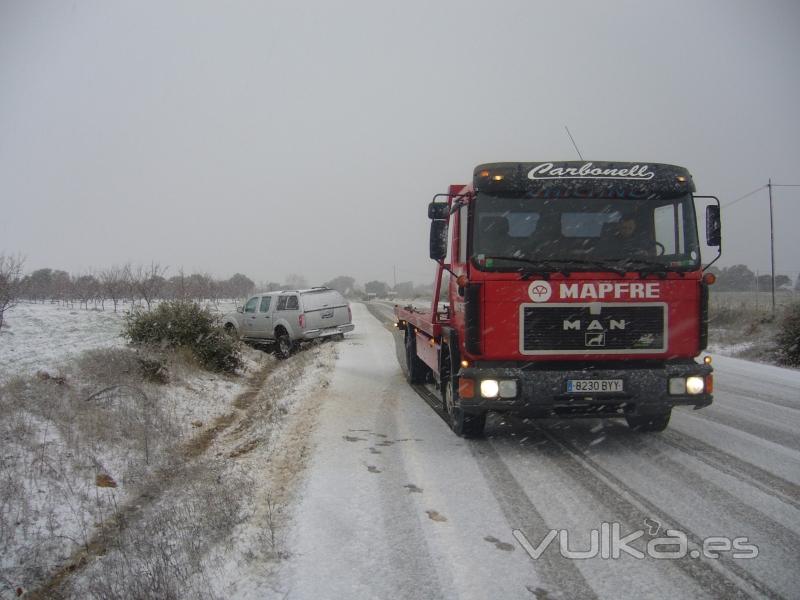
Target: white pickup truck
x=289, y=317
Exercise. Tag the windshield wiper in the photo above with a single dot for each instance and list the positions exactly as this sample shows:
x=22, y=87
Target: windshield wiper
x=544, y=267
x=535, y=267
x=644, y=266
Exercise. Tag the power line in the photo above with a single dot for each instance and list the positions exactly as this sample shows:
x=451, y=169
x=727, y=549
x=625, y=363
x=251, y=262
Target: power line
x=747, y=195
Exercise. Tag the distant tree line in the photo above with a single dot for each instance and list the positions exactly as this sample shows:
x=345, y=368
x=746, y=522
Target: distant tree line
x=128, y=283
x=741, y=278
x=145, y=284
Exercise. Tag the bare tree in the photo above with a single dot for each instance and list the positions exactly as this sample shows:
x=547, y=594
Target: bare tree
x=10, y=282
x=113, y=284
x=148, y=282
x=86, y=288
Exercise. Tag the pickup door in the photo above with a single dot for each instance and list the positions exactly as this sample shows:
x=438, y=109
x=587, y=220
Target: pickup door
x=262, y=324
x=249, y=316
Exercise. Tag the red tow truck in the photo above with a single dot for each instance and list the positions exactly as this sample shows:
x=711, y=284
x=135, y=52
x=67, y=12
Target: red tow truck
x=566, y=289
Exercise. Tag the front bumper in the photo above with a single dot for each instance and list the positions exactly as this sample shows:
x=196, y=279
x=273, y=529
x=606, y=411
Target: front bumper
x=542, y=390
x=312, y=334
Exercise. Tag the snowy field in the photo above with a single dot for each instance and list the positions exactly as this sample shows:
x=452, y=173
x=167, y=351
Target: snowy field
x=328, y=476
x=45, y=337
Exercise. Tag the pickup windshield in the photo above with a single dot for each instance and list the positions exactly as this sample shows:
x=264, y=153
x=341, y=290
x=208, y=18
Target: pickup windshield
x=581, y=234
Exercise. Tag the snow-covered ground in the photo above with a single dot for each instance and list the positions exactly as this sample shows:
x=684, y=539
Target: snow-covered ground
x=394, y=505
x=43, y=337
x=352, y=486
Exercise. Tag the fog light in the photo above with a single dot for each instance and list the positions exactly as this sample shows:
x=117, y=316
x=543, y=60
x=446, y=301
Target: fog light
x=695, y=385
x=490, y=388
x=677, y=386
x=508, y=388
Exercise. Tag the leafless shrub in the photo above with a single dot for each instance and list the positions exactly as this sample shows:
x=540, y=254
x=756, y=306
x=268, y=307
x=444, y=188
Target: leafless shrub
x=163, y=553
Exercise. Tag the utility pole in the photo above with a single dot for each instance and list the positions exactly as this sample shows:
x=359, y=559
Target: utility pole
x=772, y=245
x=395, y=277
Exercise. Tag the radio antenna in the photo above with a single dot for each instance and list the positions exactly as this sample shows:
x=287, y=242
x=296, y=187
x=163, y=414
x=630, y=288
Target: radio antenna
x=573, y=143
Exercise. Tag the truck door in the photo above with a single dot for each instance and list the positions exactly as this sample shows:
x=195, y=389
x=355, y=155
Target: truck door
x=262, y=324
x=249, y=316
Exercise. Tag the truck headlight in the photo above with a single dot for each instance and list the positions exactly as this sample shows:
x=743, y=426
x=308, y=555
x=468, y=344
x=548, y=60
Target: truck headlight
x=490, y=388
x=677, y=386
x=508, y=388
x=686, y=385
x=695, y=385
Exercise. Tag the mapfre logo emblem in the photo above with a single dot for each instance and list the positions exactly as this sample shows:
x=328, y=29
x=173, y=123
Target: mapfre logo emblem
x=540, y=291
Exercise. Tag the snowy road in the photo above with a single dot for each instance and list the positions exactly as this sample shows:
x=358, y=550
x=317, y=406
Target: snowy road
x=395, y=506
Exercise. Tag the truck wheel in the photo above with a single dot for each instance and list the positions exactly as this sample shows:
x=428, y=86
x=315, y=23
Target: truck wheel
x=463, y=424
x=417, y=370
x=283, y=345
x=656, y=422
x=231, y=331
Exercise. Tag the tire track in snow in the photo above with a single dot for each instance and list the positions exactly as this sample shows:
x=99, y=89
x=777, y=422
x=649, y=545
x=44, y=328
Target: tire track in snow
x=724, y=576
x=722, y=461
x=760, y=396
x=561, y=574
x=787, y=439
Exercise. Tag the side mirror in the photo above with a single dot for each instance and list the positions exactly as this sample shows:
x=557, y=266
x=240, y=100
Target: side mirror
x=438, y=239
x=713, y=226
x=438, y=211
x=240, y=309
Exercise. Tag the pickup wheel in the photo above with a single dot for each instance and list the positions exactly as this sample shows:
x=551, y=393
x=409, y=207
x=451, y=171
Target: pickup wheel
x=283, y=345
x=417, y=370
x=647, y=423
x=463, y=424
x=231, y=331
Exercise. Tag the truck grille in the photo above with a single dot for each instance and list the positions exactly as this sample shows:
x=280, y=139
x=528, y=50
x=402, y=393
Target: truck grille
x=608, y=328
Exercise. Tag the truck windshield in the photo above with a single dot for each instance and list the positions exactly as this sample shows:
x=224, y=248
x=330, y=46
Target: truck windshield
x=583, y=234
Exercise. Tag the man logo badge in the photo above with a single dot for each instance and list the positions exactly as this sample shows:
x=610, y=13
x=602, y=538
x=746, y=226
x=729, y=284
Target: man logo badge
x=594, y=340
x=540, y=291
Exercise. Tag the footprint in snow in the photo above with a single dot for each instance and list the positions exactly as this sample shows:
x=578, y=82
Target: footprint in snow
x=352, y=438
x=435, y=516
x=412, y=489
x=372, y=450
x=538, y=592
x=373, y=469
x=498, y=544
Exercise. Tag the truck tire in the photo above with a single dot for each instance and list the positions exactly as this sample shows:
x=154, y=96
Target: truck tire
x=283, y=345
x=417, y=370
x=230, y=329
x=462, y=423
x=647, y=423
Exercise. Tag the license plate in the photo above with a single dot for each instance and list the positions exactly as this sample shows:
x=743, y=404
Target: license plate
x=594, y=385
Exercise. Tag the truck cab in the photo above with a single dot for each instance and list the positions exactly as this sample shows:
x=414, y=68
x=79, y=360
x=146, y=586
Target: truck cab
x=574, y=289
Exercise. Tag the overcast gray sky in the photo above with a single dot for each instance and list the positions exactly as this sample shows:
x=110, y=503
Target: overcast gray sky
x=278, y=137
